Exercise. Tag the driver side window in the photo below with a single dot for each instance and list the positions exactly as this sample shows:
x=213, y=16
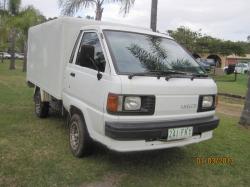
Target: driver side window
x=94, y=61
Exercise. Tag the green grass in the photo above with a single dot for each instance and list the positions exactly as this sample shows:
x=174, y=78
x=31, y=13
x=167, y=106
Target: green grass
x=226, y=84
x=35, y=152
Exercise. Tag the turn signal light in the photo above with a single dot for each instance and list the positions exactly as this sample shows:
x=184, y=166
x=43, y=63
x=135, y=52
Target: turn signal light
x=112, y=103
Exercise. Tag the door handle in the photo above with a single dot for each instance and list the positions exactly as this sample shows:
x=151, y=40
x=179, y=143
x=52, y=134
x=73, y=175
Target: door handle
x=72, y=74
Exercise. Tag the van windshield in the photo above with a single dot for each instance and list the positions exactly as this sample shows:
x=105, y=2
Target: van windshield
x=139, y=53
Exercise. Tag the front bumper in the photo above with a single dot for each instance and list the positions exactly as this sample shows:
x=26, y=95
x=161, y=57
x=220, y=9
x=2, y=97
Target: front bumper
x=151, y=131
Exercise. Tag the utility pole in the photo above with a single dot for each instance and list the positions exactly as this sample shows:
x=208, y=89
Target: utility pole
x=153, y=24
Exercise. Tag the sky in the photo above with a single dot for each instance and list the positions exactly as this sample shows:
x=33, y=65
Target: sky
x=225, y=19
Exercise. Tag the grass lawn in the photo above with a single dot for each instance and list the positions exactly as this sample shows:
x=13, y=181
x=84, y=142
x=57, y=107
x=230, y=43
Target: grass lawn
x=226, y=84
x=35, y=152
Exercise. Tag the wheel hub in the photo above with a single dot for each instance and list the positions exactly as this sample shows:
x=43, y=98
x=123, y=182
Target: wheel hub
x=74, y=136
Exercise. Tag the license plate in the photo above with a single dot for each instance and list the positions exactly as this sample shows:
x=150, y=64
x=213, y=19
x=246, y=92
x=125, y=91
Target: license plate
x=180, y=133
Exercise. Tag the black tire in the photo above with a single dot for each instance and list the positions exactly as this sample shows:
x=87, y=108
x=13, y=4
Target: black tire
x=41, y=108
x=79, y=139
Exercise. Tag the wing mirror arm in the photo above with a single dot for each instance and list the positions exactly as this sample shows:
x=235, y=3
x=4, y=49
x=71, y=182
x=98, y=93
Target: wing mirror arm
x=99, y=74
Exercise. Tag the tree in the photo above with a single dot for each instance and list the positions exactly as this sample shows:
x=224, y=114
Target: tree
x=196, y=42
x=245, y=116
x=27, y=18
x=186, y=37
x=153, y=24
x=3, y=30
x=14, y=25
x=70, y=7
x=14, y=6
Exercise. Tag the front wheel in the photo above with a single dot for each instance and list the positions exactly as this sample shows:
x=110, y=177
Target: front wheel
x=41, y=108
x=80, y=141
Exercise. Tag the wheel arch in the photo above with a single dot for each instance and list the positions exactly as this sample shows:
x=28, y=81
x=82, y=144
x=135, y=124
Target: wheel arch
x=85, y=116
x=45, y=97
x=73, y=109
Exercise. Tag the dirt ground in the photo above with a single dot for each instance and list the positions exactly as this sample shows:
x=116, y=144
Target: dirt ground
x=229, y=109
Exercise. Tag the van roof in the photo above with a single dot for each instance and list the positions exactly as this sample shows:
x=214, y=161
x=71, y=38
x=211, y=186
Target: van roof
x=103, y=25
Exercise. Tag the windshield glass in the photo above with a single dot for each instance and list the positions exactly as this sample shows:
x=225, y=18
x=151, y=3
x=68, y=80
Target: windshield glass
x=139, y=53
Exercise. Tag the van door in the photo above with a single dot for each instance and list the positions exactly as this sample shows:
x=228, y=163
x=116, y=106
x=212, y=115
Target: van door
x=83, y=84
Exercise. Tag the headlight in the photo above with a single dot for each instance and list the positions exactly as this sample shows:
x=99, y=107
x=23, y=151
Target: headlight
x=207, y=101
x=132, y=103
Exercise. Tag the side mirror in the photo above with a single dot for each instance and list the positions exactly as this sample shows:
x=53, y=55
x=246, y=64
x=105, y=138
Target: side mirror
x=88, y=55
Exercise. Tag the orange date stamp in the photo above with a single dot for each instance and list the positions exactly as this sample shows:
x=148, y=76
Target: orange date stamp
x=213, y=160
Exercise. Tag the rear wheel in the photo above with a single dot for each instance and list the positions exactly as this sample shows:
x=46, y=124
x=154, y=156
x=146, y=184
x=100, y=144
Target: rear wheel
x=41, y=108
x=80, y=141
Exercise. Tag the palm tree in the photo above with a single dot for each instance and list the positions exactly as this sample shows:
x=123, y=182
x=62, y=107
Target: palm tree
x=70, y=7
x=14, y=6
x=154, y=15
x=152, y=59
x=245, y=116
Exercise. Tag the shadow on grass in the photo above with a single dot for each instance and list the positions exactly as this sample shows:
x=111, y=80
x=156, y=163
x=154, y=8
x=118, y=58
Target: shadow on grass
x=143, y=160
x=56, y=116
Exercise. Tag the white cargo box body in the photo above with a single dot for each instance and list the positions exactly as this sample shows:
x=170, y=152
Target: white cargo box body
x=49, y=49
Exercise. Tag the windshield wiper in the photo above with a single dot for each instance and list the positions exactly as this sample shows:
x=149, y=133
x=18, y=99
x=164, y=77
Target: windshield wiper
x=178, y=74
x=156, y=73
x=190, y=76
x=168, y=74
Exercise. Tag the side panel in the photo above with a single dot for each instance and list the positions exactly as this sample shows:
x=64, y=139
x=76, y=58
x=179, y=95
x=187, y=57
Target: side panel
x=83, y=90
x=89, y=95
x=44, y=56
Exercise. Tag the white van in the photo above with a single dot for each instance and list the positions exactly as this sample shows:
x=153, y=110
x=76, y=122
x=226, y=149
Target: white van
x=127, y=88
